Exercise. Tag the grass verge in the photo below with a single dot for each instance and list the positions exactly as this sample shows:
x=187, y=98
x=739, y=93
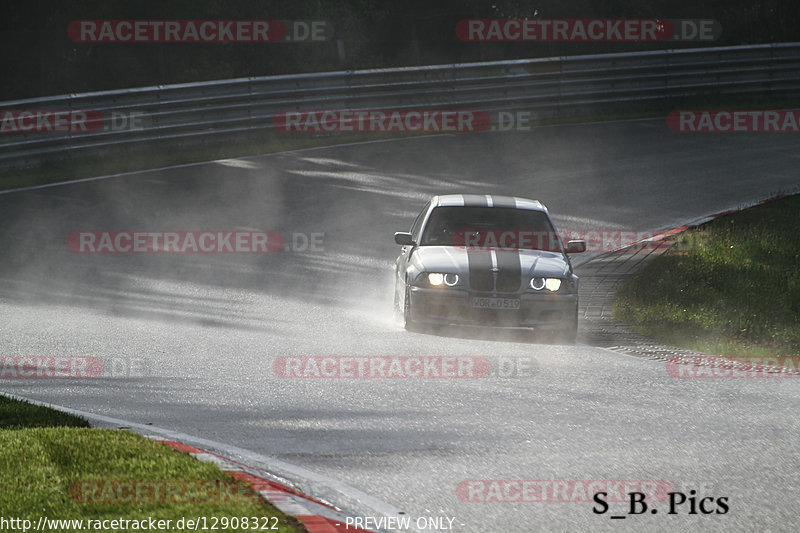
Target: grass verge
x=729, y=287
x=54, y=466
x=15, y=414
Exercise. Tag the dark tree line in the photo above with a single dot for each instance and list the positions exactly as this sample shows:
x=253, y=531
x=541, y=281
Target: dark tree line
x=39, y=58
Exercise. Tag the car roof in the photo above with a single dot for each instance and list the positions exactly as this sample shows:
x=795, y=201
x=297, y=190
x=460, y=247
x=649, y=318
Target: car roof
x=486, y=200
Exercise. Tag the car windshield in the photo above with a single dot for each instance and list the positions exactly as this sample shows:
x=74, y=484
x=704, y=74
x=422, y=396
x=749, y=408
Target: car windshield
x=490, y=227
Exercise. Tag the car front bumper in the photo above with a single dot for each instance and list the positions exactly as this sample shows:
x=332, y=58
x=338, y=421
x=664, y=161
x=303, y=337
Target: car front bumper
x=452, y=306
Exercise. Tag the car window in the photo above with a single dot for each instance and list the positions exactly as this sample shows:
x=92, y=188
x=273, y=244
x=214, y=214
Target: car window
x=417, y=226
x=490, y=227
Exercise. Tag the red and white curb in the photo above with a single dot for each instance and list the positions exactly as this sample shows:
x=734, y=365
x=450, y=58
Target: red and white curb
x=318, y=516
x=708, y=218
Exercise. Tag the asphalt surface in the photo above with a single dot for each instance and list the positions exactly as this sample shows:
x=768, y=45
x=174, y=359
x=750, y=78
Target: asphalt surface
x=202, y=331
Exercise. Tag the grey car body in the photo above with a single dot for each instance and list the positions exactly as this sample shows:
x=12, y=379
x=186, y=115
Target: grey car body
x=487, y=285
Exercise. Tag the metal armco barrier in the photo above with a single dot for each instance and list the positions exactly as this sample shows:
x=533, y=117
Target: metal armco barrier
x=212, y=111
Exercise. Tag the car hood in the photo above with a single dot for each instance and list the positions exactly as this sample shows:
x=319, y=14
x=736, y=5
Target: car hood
x=514, y=267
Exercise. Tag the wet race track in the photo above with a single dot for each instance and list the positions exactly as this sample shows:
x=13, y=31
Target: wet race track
x=192, y=338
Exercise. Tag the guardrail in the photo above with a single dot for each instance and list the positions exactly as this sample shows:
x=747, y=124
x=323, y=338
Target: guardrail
x=549, y=87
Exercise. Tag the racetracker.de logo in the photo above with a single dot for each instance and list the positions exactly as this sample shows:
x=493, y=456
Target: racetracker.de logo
x=50, y=121
x=587, y=30
x=596, y=240
x=733, y=367
x=176, y=31
x=198, y=31
x=175, y=242
x=166, y=492
x=382, y=121
x=49, y=367
x=740, y=121
x=381, y=367
x=559, y=490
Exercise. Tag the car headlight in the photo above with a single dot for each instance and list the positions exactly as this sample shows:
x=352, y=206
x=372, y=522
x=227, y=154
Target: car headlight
x=551, y=284
x=537, y=284
x=437, y=279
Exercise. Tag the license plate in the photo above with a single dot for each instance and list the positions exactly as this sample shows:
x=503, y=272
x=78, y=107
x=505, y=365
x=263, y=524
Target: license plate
x=495, y=303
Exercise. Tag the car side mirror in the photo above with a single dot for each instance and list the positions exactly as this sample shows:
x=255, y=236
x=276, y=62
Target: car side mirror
x=404, y=239
x=575, y=247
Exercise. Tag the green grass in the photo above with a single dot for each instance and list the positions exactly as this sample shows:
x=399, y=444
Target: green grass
x=15, y=414
x=729, y=287
x=39, y=465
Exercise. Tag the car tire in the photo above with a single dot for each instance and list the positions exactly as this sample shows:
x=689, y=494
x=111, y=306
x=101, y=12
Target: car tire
x=408, y=321
x=568, y=335
x=397, y=309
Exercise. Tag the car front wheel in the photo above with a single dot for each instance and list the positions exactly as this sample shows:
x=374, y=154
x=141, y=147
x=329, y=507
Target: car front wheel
x=408, y=321
x=570, y=333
